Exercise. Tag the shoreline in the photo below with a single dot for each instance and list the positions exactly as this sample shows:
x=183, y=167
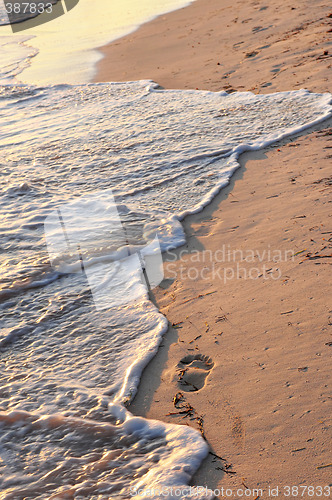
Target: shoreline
x=65, y=51
x=268, y=340
x=159, y=383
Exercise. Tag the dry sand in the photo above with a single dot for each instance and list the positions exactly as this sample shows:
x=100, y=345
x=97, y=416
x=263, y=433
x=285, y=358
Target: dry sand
x=262, y=46
x=264, y=339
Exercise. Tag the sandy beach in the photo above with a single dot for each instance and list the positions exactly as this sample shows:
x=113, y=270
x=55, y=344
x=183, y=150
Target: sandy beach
x=248, y=351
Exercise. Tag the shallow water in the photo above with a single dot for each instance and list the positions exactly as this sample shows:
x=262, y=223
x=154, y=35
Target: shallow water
x=64, y=49
x=69, y=366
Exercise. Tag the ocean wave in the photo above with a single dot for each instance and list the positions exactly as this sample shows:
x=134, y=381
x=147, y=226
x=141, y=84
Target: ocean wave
x=88, y=459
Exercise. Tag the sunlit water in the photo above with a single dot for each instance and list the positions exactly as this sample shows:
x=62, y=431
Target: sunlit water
x=64, y=50
x=68, y=368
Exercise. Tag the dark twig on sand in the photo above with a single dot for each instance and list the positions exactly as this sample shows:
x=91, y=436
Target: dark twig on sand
x=323, y=466
x=226, y=466
x=198, y=297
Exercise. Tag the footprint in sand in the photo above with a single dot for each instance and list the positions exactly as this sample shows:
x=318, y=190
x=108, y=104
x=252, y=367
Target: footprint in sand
x=192, y=372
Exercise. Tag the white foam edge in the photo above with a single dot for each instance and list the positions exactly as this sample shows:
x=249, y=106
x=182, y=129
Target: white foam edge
x=134, y=372
x=256, y=146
